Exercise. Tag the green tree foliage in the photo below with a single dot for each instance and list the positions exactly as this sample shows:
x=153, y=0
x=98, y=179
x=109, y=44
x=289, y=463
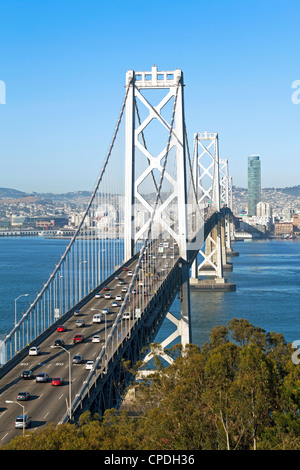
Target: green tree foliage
x=240, y=391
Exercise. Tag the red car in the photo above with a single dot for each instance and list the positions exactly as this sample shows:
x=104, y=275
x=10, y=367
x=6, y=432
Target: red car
x=61, y=328
x=78, y=339
x=105, y=288
x=125, y=269
x=57, y=381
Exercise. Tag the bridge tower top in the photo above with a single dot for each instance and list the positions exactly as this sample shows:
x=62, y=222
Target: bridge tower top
x=154, y=78
x=155, y=157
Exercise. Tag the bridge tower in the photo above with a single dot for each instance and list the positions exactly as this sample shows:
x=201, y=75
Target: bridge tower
x=155, y=116
x=206, y=173
x=226, y=221
x=230, y=251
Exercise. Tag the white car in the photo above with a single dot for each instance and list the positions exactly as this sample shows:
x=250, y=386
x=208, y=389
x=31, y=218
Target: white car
x=98, y=296
x=97, y=318
x=96, y=339
x=34, y=351
x=107, y=296
x=119, y=297
x=130, y=273
x=127, y=316
x=89, y=365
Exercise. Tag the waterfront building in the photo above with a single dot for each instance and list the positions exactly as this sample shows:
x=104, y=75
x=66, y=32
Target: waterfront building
x=284, y=228
x=254, y=183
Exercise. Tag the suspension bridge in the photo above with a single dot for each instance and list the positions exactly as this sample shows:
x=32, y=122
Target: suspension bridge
x=158, y=224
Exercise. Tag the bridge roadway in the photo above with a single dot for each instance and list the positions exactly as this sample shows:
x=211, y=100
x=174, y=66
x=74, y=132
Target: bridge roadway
x=48, y=403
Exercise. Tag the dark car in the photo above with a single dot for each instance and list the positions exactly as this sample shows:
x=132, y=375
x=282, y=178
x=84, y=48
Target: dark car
x=23, y=396
x=77, y=313
x=78, y=339
x=27, y=374
x=77, y=359
x=58, y=343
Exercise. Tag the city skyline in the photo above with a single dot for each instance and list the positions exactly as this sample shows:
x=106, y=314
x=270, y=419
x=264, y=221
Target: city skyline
x=64, y=66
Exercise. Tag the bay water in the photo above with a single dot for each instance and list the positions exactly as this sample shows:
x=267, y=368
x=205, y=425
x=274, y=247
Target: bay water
x=266, y=274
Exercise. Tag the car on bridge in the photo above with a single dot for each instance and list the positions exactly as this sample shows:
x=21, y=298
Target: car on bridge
x=107, y=296
x=119, y=297
x=127, y=316
x=27, y=374
x=105, y=288
x=42, y=377
x=80, y=323
x=77, y=359
x=23, y=396
x=22, y=421
x=57, y=381
x=34, y=351
x=97, y=318
x=61, y=328
x=98, y=296
x=115, y=304
x=77, y=313
x=96, y=339
x=78, y=339
x=89, y=365
x=58, y=343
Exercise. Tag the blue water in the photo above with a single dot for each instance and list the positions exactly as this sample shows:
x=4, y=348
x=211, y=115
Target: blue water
x=267, y=278
x=266, y=274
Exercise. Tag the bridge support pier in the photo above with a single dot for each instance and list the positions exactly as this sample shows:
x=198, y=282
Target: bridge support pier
x=183, y=324
x=212, y=267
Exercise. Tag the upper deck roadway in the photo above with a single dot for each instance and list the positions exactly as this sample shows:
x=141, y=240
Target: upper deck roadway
x=48, y=403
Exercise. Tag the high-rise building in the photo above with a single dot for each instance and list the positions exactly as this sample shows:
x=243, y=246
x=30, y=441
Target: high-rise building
x=254, y=183
x=263, y=209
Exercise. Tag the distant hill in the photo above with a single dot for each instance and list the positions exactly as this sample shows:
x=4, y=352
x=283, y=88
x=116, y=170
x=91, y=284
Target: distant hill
x=292, y=191
x=11, y=193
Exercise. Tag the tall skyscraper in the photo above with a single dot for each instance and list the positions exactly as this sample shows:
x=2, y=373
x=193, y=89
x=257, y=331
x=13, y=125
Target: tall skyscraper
x=254, y=183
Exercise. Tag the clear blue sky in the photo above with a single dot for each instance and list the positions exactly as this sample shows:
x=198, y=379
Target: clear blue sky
x=64, y=64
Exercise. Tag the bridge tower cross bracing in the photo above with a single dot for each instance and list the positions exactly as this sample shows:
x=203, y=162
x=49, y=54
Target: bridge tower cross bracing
x=207, y=182
x=142, y=87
